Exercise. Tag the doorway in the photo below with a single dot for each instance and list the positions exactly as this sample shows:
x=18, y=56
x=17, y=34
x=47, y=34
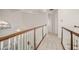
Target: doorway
x=53, y=21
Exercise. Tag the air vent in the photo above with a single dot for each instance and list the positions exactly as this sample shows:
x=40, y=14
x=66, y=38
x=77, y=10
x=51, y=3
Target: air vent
x=51, y=9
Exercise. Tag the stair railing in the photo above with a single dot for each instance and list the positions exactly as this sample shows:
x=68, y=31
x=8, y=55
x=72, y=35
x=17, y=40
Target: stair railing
x=74, y=39
x=23, y=40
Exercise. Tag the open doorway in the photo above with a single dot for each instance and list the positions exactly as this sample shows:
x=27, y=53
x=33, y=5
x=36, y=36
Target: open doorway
x=53, y=21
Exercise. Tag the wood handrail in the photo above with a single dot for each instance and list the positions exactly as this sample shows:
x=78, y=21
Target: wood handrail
x=76, y=26
x=77, y=34
x=71, y=33
x=18, y=33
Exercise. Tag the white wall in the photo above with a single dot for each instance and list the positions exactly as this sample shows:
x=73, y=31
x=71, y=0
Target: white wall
x=21, y=20
x=50, y=27
x=67, y=17
x=31, y=20
x=13, y=18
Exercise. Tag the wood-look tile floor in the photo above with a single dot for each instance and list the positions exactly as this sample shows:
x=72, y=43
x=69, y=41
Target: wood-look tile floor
x=50, y=42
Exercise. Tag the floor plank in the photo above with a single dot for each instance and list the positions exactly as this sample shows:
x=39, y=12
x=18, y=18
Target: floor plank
x=51, y=42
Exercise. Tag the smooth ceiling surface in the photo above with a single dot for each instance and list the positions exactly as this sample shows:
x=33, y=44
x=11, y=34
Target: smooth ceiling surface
x=34, y=11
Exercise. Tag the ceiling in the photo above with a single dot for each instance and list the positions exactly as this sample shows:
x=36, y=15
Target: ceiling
x=35, y=11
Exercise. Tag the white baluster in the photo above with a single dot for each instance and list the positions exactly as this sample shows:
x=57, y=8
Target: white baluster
x=74, y=42
x=14, y=43
x=19, y=42
x=22, y=41
x=29, y=40
x=25, y=42
x=78, y=43
x=44, y=30
x=9, y=44
x=2, y=45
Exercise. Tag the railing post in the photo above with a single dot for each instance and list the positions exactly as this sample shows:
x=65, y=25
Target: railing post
x=62, y=35
x=71, y=41
x=62, y=38
x=34, y=38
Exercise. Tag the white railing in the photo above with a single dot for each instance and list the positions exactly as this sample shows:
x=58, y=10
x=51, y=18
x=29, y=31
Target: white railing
x=29, y=39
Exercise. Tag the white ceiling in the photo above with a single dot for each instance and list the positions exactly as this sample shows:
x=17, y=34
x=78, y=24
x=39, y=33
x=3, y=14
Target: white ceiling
x=34, y=11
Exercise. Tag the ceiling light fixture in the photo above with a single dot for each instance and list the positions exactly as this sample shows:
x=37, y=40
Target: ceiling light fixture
x=4, y=24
